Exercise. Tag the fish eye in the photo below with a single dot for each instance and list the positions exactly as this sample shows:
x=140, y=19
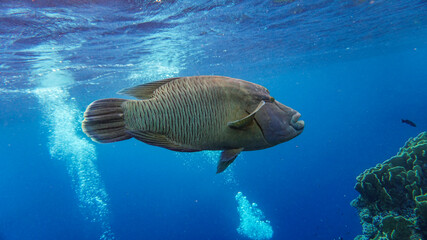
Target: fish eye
x=268, y=99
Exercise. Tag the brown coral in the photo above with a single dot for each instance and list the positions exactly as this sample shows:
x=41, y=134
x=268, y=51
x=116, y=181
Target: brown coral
x=421, y=211
x=393, y=193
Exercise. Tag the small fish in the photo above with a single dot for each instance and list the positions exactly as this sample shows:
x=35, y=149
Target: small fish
x=190, y=114
x=409, y=122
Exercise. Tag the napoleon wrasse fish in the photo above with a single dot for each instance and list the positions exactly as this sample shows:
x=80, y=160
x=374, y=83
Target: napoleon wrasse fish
x=190, y=114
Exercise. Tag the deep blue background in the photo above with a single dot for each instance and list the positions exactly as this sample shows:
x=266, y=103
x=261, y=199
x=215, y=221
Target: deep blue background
x=351, y=100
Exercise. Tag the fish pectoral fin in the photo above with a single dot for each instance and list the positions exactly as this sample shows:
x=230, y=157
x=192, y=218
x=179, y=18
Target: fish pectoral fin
x=227, y=157
x=160, y=140
x=145, y=91
x=246, y=121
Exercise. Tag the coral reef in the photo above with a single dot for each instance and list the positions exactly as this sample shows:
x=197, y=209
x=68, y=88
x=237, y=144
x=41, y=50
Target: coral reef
x=421, y=212
x=393, y=195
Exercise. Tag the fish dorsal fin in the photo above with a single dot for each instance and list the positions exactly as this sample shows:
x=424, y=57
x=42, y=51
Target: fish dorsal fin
x=160, y=140
x=246, y=121
x=145, y=91
x=227, y=157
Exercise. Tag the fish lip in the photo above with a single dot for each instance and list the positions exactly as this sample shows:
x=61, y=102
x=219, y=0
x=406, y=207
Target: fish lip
x=297, y=124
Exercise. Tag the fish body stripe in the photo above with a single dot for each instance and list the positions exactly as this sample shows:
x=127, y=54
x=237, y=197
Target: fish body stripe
x=191, y=113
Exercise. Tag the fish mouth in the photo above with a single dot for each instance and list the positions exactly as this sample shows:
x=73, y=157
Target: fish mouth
x=297, y=124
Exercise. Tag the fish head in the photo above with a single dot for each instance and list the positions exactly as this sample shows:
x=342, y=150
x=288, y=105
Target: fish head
x=278, y=123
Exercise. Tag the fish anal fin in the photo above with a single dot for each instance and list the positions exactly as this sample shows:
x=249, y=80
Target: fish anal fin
x=246, y=121
x=160, y=140
x=227, y=157
x=145, y=91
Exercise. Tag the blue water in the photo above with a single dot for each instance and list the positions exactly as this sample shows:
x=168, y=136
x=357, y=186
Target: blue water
x=353, y=69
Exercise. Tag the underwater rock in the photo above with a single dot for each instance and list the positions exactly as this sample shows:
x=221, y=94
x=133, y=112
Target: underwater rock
x=393, y=195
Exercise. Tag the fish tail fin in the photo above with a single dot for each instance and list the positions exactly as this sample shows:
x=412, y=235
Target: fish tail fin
x=104, y=121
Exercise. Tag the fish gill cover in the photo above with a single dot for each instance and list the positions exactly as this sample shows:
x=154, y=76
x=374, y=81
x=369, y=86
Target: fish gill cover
x=393, y=195
x=252, y=221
